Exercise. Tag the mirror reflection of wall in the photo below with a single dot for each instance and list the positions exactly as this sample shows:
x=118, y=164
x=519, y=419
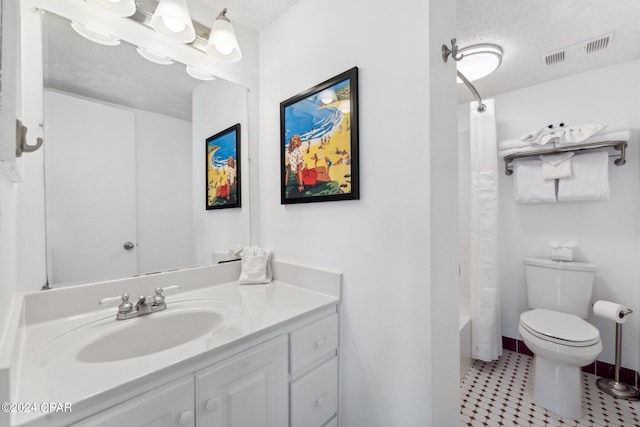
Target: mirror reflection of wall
x=122, y=159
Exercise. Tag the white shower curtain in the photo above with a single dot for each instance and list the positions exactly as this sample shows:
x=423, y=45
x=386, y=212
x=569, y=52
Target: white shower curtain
x=486, y=335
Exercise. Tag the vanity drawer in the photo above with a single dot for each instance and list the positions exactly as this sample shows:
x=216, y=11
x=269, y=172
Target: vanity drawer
x=314, y=397
x=311, y=343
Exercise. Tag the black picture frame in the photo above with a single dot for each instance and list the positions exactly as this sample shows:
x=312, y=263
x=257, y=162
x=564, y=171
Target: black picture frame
x=319, y=127
x=221, y=191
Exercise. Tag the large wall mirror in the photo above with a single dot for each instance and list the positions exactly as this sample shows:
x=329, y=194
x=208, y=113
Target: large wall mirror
x=123, y=191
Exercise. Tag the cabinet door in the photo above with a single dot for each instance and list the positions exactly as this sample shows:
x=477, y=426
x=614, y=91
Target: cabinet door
x=168, y=406
x=249, y=389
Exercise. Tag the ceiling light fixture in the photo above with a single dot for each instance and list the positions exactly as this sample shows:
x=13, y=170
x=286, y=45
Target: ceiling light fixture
x=222, y=42
x=95, y=35
x=479, y=61
x=154, y=57
x=118, y=7
x=172, y=18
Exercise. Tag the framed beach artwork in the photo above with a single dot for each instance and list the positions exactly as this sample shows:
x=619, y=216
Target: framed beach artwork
x=223, y=169
x=319, y=142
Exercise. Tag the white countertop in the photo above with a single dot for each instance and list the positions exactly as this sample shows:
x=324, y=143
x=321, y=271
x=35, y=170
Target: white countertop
x=48, y=371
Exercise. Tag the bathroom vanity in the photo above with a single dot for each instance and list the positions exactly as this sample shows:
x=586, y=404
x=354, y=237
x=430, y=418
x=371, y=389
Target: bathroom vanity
x=221, y=354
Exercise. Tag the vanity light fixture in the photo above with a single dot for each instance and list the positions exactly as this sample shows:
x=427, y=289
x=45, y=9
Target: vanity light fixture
x=222, y=42
x=154, y=57
x=478, y=61
x=118, y=7
x=172, y=19
x=95, y=35
x=196, y=73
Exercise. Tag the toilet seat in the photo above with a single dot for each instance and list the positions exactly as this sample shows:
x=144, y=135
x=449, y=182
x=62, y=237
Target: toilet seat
x=560, y=328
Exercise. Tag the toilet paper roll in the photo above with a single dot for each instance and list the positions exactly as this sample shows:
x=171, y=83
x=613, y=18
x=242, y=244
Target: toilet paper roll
x=610, y=310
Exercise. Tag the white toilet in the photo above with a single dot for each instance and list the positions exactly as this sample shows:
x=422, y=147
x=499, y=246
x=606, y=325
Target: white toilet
x=559, y=294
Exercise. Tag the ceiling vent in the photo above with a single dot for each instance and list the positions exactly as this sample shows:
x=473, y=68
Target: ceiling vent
x=579, y=49
x=597, y=44
x=554, y=58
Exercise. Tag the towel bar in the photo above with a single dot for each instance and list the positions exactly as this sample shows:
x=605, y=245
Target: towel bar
x=618, y=145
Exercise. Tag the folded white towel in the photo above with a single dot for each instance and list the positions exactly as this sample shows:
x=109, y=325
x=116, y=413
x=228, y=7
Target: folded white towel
x=600, y=137
x=567, y=134
x=256, y=265
x=528, y=149
x=535, y=137
x=619, y=126
x=556, y=166
x=508, y=144
x=589, y=178
x=528, y=185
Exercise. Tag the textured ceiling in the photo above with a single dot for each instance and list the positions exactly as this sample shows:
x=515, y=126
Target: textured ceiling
x=528, y=30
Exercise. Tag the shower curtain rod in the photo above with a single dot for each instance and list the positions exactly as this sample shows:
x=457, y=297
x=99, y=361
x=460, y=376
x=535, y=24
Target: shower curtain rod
x=481, y=107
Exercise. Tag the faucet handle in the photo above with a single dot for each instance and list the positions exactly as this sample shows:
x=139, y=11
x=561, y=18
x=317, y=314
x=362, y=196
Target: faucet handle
x=124, y=307
x=158, y=299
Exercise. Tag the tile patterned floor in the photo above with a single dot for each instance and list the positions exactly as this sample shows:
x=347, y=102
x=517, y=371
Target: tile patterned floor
x=496, y=394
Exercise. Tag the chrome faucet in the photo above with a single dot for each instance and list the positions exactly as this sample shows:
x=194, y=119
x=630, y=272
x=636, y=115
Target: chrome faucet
x=144, y=305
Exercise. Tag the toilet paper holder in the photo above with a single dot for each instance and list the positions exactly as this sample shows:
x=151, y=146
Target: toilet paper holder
x=614, y=386
x=624, y=313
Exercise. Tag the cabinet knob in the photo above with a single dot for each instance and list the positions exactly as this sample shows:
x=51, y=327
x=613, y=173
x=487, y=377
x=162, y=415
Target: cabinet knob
x=186, y=418
x=320, y=400
x=321, y=342
x=212, y=404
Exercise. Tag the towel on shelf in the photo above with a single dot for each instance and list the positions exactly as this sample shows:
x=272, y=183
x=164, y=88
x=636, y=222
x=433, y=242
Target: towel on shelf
x=567, y=134
x=509, y=144
x=589, y=178
x=600, y=137
x=536, y=137
x=529, y=186
x=556, y=166
x=523, y=150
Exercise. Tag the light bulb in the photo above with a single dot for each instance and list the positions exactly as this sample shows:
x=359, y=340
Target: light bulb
x=173, y=24
x=223, y=48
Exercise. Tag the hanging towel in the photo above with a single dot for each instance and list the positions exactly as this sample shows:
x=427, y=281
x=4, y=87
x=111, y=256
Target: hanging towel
x=529, y=186
x=589, y=179
x=556, y=166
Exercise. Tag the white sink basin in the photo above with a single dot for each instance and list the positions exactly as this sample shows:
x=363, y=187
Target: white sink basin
x=150, y=334
x=105, y=339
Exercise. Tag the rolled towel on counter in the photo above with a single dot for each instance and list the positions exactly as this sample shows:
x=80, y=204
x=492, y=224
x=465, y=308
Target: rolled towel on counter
x=256, y=266
x=589, y=178
x=556, y=166
x=529, y=186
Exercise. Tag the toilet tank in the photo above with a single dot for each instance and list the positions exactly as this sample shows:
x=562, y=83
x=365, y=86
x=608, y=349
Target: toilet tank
x=559, y=286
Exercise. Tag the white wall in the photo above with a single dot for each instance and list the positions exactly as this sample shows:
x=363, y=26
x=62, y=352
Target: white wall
x=607, y=232
x=217, y=106
x=381, y=242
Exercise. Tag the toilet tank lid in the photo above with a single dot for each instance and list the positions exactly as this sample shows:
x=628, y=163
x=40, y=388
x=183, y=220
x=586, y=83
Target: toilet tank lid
x=562, y=265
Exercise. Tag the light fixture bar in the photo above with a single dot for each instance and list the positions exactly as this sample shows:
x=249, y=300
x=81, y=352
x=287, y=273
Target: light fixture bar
x=144, y=13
